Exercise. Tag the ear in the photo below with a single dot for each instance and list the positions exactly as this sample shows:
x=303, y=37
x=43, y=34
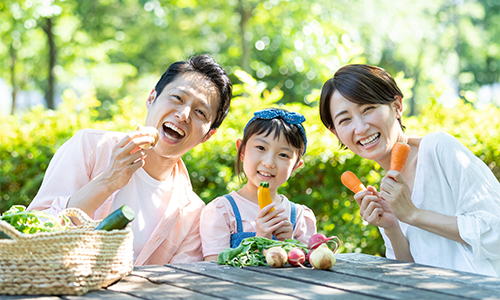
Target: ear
x=209, y=134
x=398, y=106
x=332, y=130
x=238, y=145
x=299, y=164
x=151, y=98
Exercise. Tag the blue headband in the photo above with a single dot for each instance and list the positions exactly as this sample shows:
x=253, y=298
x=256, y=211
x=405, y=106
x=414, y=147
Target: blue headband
x=291, y=118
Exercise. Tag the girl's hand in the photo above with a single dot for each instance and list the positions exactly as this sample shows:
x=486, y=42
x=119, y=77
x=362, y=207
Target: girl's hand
x=126, y=158
x=268, y=222
x=375, y=210
x=395, y=191
x=284, y=232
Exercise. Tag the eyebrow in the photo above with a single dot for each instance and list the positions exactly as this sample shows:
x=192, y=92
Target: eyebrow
x=203, y=103
x=340, y=113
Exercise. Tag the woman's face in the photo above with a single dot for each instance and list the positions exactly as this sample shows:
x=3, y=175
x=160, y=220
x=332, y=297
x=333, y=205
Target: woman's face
x=369, y=130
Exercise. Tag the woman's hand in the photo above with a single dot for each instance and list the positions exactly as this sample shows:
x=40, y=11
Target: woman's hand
x=375, y=210
x=268, y=222
x=284, y=232
x=395, y=191
x=126, y=158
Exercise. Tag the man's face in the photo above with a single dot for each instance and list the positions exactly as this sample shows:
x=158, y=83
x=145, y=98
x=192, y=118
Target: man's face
x=183, y=113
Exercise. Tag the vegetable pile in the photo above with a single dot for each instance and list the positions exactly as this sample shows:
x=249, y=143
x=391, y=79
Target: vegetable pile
x=31, y=221
x=260, y=251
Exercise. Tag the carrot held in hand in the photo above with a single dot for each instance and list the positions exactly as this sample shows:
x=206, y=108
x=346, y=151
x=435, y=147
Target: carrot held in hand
x=264, y=195
x=352, y=182
x=399, y=155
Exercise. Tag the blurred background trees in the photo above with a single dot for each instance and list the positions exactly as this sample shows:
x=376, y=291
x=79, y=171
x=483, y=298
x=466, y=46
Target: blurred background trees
x=114, y=48
x=92, y=64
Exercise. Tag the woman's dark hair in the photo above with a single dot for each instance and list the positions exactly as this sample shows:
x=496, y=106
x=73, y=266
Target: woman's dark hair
x=361, y=84
x=203, y=64
x=277, y=126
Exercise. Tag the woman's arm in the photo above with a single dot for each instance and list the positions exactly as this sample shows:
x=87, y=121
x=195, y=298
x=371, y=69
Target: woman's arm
x=378, y=212
x=399, y=243
x=395, y=191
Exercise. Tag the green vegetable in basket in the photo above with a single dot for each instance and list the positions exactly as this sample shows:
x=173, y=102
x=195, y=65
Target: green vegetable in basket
x=117, y=219
x=250, y=251
x=31, y=221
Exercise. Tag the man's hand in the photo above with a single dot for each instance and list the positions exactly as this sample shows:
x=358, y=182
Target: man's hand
x=127, y=157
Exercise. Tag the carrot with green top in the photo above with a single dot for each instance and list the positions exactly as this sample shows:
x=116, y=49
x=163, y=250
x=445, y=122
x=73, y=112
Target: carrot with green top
x=399, y=155
x=352, y=182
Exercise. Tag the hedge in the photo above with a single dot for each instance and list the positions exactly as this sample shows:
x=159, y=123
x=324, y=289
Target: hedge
x=28, y=142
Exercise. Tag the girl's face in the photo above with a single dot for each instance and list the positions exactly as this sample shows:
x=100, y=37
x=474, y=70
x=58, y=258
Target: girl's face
x=268, y=159
x=369, y=130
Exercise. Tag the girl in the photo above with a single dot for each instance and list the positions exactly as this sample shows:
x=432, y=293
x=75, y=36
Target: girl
x=273, y=144
x=443, y=209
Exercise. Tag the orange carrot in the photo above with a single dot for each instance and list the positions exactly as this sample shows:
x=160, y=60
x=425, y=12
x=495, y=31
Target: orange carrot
x=352, y=182
x=399, y=155
x=264, y=195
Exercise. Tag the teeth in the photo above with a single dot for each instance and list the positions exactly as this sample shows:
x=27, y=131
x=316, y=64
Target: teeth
x=369, y=139
x=170, y=137
x=175, y=128
x=265, y=174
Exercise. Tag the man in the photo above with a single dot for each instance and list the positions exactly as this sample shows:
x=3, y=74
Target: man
x=99, y=171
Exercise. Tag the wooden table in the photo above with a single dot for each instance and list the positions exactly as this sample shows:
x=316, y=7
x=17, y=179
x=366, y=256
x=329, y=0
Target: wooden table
x=355, y=276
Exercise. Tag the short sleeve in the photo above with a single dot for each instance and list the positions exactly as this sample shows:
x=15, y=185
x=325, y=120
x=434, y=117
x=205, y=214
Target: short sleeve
x=305, y=225
x=215, y=227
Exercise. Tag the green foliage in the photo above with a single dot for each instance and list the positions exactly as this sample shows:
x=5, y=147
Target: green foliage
x=31, y=221
x=251, y=251
x=27, y=144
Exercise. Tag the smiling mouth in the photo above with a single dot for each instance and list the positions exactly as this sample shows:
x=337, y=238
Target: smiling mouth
x=173, y=132
x=370, y=140
x=265, y=174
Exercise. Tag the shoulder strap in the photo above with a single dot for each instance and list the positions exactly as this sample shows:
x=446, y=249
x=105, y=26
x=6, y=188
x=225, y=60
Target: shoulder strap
x=236, y=211
x=293, y=214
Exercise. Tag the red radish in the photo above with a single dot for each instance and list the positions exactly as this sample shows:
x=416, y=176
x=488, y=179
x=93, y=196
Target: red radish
x=296, y=257
x=317, y=239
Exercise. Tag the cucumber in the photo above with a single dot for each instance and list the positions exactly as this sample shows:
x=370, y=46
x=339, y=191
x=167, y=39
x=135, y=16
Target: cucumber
x=4, y=236
x=117, y=219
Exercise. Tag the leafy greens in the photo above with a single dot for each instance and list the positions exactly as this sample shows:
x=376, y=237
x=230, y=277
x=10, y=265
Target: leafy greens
x=30, y=221
x=250, y=251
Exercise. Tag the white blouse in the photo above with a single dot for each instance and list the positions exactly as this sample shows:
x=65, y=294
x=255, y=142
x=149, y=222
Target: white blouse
x=452, y=181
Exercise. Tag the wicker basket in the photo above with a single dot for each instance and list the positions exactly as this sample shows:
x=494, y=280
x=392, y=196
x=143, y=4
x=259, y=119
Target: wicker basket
x=69, y=262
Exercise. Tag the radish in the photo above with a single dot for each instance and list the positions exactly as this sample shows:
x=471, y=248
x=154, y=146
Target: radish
x=317, y=239
x=296, y=257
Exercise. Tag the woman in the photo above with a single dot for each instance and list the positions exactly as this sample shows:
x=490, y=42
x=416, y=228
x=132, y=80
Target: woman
x=99, y=171
x=443, y=208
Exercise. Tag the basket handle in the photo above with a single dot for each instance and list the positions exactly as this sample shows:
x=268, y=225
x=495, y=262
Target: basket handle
x=8, y=231
x=76, y=212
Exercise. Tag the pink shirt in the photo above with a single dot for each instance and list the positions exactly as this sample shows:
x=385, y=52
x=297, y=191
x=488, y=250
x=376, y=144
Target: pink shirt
x=174, y=239
x=218, y=221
